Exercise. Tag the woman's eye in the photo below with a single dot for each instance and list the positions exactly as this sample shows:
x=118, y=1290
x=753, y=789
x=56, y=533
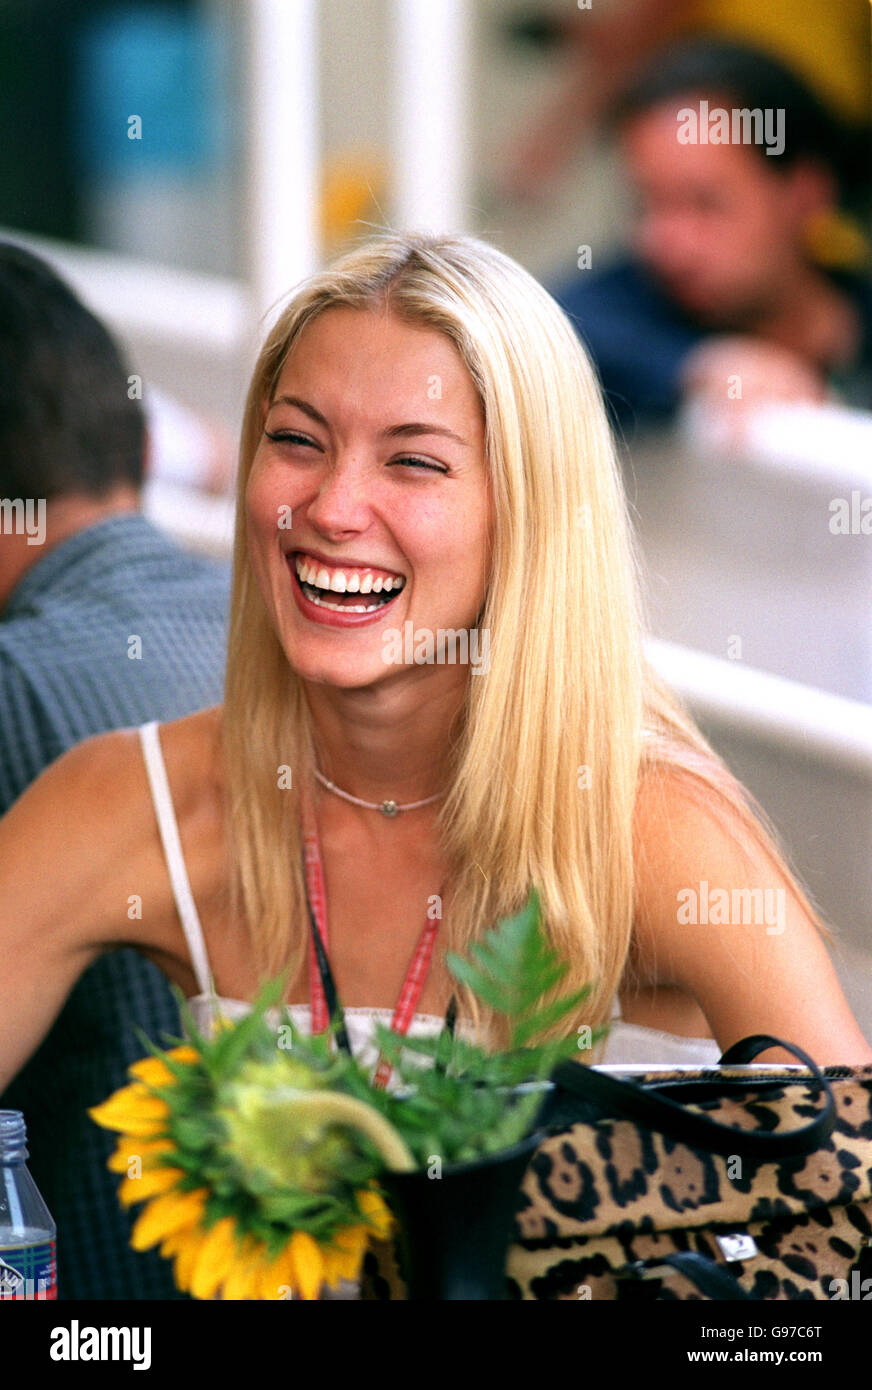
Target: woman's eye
x=290, y=437
x=411, y=462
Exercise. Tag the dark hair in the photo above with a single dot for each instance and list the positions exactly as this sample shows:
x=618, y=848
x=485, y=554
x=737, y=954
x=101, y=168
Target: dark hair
x=749, y=78
x=67, y=424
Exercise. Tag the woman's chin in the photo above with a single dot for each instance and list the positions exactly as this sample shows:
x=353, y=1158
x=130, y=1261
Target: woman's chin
x=348, y=672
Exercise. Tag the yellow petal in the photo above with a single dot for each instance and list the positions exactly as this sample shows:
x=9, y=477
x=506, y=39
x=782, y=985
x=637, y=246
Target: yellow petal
x=342, y=1264
x=376, y=1211
x=186, y=1256
x=215, y=1258
x=145, y=1150
x=151, y=1183
x=174, y=1243
x=153, y=1071
x=133, y=1110
x=279, y=1278
x=164, y=1215
x=243, y=1279
x=332, y=1273
x=308, y=1264
x=350, y=1247
x=264, y=1285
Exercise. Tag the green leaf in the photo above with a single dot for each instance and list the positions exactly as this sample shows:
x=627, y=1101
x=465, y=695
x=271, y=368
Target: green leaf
x=491, y=990
x=540, y=1019
x=513, y=965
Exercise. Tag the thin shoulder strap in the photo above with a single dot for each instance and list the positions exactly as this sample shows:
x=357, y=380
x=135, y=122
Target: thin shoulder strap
x=172, y=846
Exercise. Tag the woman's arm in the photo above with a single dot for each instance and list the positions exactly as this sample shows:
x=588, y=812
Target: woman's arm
x=726, y=927
x=69, y=851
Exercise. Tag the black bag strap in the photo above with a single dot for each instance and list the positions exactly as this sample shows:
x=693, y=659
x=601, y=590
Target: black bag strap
x=657, y=1112
x=703, y=1273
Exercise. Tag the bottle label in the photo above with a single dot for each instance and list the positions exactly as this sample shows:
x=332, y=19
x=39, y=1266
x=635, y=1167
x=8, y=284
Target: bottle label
x=28, y=1271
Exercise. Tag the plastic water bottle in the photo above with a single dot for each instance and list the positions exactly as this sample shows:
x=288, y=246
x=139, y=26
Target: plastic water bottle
x=27, y=1232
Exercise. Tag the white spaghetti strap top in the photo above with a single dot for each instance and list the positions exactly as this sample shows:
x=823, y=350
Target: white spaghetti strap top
x=169, y=834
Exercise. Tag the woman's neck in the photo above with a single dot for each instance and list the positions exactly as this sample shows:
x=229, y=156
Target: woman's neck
x=391, y=742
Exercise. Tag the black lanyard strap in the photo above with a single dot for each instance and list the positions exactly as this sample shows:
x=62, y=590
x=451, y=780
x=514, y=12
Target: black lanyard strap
x=328, y=984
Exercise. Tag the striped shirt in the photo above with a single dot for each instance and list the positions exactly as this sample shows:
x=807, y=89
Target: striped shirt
x=111, y=628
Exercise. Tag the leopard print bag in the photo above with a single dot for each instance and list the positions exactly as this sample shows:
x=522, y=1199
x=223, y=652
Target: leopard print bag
x=723, y=1183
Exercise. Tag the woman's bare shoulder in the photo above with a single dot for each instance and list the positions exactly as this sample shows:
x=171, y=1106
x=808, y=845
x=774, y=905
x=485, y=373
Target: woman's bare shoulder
x=192, y=755
x=718, y=916
x=688, y=839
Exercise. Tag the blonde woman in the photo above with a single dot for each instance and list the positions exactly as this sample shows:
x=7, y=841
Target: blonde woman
x=424, y=453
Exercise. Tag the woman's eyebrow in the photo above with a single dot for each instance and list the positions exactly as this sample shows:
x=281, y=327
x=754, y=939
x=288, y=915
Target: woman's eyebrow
x=422, y=427
x=306, y=408
x=414, y=427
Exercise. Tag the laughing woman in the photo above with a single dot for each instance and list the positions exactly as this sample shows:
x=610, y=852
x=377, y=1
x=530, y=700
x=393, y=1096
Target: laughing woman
x=424, y=455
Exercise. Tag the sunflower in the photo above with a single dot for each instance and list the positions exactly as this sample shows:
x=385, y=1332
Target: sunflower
x=258, y=1182
x=257, y=1152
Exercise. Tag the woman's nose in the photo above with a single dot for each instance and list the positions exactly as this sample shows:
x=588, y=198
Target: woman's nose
x=342, y=501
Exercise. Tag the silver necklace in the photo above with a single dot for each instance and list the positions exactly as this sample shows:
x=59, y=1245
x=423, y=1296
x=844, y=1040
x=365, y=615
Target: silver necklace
x=387, y=808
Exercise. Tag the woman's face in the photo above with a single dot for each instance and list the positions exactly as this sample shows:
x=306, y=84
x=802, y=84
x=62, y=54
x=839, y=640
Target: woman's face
x=370, y=468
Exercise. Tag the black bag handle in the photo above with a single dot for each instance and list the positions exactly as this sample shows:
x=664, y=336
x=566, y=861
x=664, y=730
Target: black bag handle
x=707, y=1276
x=642, y=1105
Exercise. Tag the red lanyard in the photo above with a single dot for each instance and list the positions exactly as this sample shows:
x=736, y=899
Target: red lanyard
x=416, y=975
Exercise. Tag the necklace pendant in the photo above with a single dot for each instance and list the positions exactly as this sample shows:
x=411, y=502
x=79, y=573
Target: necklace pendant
x=389, y=808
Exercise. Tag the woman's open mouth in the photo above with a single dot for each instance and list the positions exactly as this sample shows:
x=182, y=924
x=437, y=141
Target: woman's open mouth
x=347, y=593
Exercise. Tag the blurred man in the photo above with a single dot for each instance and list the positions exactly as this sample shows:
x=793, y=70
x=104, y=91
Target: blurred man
x=827, y=46
x=741, y=278
x=104, y=623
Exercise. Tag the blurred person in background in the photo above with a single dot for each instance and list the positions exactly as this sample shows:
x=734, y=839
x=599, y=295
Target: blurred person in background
x=741, y=282
x=826, y=45
x=104, y=622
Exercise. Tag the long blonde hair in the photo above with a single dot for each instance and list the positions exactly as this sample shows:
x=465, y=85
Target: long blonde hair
x=552, y=741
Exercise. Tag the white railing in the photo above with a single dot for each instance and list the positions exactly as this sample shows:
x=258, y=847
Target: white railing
x=783, y=713
x=183, y=309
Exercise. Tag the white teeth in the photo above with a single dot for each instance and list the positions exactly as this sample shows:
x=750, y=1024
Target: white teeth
x=339, y=581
